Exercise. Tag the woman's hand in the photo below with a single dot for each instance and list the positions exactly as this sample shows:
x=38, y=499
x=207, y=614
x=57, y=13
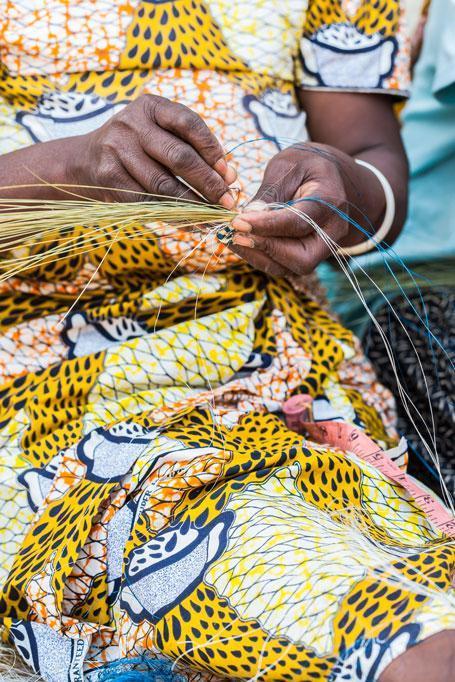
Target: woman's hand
x=346, y=126
x=149, y=147
x=281, y=242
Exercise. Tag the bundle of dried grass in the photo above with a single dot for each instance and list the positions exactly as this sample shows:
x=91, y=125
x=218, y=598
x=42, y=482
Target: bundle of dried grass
x=38, y=231
x=12, y=667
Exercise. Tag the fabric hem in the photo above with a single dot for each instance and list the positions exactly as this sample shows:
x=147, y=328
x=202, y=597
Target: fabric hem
x=373, y=91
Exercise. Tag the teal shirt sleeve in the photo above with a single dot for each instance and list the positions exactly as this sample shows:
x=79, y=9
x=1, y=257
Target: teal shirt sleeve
x=429, y=137
x=444, y=77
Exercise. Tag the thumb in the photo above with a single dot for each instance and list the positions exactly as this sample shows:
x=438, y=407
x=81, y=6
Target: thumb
x=280, y=182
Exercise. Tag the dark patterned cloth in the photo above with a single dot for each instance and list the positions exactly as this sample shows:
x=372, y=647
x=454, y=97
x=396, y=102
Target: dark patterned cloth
x=436, y=358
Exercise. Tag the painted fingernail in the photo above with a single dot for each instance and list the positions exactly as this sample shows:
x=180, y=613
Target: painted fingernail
x=227, y=200
x=241, y=225
x=241, y=240
x=221, y=167
x=231, y=174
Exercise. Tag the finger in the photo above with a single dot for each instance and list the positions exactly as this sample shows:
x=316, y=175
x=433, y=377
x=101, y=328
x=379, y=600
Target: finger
x=282, y=179
x=114, y=175
x=153, y=177
x=294, y=220
x=183, y=161
x=189, y=126
x=301, y=257
x=283, y=222
x=260, y=261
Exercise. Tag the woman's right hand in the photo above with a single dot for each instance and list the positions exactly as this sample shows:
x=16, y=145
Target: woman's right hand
x=145, y=148
x=141, y=150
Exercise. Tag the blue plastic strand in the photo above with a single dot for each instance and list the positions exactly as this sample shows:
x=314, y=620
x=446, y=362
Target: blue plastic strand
x=139, y=669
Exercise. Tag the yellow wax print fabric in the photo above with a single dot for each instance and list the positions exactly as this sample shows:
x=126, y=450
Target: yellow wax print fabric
x=153, y=503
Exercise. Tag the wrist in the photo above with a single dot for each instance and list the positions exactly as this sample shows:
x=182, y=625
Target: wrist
x=71, y=167
x=37, y=169
x=367, y=201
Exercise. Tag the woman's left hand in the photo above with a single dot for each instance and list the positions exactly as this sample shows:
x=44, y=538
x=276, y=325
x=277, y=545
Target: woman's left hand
x=279, y=241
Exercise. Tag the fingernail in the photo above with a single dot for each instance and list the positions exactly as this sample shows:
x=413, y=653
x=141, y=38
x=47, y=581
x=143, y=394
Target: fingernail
x=256, y=206
x=221, y=167
x=227, y=200
x=241, y=240
x=242, y=225
x=230, y=175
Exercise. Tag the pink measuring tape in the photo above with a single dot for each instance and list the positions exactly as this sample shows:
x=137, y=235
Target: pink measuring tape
x=298, y=414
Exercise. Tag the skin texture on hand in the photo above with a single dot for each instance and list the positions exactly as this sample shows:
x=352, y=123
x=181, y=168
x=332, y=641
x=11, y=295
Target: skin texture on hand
x=343, y=126
x=152, y=146
x=156, y=146
x=149, y=145
x=281, y=242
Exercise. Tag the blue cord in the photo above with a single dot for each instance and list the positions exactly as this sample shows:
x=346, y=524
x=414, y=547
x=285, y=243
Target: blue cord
x=382, y=250
x=139, y=669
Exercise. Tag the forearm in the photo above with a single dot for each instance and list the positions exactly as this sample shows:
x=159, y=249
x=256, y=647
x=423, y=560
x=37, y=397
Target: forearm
x=24, y=173
x=364, y=127
x=153, y=146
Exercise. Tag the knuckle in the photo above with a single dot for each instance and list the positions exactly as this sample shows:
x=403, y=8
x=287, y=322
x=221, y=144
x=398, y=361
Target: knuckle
x=187, y=119
x=163, y=185
x=108, y=166
x=148, y=103
x=192, y=123
x=147, y=137
x=214, y=187
x=122, y=119
x=210, y=147
x=160, y=110
x=179, y=155
x=115, y=132
x=146, y=99
x=110, y=142
x=269, y=247
x=306, y=263
x=121, y=116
